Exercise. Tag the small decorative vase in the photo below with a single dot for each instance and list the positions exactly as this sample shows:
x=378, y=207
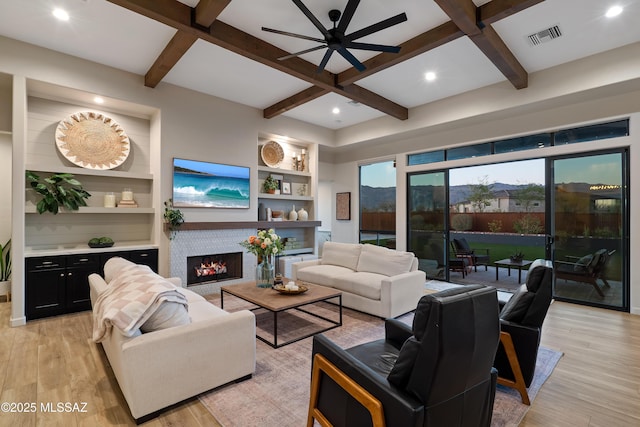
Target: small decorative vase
x=293, y=215
x=303, y=215
x=265, y=273
x=262, y=212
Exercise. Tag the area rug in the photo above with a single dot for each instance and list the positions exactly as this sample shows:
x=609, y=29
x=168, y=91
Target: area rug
x=278, y=392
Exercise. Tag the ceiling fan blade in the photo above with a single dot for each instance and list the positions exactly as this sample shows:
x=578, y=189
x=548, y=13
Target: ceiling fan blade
x=324, y=61
x=312, y=18
x=299, y=36
x=352, y=59
x=302, y=52
x=370, y=46
x=390, y=22
x=347, y=14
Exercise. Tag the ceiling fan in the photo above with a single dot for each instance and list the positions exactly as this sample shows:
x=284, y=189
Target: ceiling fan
x=335, y=38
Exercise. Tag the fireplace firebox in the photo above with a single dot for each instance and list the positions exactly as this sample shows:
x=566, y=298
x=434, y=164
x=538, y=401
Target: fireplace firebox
x=214, y=268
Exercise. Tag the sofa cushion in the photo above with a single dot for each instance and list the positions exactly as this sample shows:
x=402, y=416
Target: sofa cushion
x=341, y=254
x=322, y=274
x=389, y=262
x=168, y=315
x=515, y=309
x=361, y=283
x=113, y=266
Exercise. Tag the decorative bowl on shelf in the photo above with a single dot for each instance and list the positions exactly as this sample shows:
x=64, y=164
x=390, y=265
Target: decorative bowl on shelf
x=272, y=154
x=100, y=242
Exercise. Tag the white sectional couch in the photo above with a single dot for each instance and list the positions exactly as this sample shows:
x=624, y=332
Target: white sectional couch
x=160, y=368
x=373, y=279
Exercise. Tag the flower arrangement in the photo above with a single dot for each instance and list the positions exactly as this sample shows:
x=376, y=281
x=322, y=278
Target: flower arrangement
x=264, y=244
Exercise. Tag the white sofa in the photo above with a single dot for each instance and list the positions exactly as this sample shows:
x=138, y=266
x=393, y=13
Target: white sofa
x=160, y=368
x=373, y=279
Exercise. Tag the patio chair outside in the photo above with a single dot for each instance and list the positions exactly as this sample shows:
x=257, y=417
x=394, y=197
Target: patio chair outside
x=461, y=249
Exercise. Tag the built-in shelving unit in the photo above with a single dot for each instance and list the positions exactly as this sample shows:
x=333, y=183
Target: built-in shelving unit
x=301, y=236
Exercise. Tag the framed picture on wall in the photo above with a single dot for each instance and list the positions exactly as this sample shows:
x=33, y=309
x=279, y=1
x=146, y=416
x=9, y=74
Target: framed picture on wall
x=343, y=206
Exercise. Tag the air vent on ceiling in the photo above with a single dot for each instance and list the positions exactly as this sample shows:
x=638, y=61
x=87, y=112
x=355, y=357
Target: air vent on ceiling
x=354, y=103
x=544, y=36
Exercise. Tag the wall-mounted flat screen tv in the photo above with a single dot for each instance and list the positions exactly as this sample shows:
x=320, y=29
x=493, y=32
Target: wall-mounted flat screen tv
x=209, y=185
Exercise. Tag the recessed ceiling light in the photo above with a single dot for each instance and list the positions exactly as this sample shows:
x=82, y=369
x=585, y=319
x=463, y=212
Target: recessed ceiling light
x=98, y=100
x=335, y=110
x=61, y=14
x=430, y=76
x=613, y=11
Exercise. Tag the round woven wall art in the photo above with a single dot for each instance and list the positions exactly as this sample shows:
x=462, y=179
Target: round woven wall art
x=92, y=140
x=272, y=154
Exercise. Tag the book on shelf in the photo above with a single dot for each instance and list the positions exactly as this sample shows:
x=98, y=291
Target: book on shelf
x=127, y=204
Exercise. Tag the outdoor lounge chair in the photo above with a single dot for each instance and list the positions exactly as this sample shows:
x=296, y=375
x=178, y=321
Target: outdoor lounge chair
x=461, y=249
x=587, y=269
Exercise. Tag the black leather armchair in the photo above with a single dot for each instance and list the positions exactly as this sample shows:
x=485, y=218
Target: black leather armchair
x=521, y=327
x=436, y=373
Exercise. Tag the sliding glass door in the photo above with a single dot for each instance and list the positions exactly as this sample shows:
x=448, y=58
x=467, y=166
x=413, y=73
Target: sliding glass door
x=590, y=226
x=427, y=210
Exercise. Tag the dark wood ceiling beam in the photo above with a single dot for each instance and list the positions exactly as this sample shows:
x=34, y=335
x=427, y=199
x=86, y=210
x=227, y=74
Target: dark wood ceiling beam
x=496, y=10
x=205, y=13
x=251, y=47
x=487, y=40
x=494, y=48
x=462, y=13
x=294, y=101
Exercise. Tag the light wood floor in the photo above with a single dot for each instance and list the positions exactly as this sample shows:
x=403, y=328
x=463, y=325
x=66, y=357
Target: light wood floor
x=596, y=383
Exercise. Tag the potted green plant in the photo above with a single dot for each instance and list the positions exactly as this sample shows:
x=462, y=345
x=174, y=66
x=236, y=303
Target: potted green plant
x=173, y=218
x=60, y=190
x=518, y=256
x=270, y=185
x=5, y=268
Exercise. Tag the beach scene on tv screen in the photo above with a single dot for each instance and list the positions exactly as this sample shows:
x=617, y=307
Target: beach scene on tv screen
x=209, y=185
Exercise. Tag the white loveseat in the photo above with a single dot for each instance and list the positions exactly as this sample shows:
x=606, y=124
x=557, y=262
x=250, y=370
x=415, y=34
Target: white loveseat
x=373, y=279
x=160, y=368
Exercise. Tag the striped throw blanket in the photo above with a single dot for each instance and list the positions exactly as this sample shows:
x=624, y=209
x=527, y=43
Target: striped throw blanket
x=130, y=299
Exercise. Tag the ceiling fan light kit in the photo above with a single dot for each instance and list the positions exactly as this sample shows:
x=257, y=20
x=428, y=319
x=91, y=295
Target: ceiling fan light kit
x=336, y=39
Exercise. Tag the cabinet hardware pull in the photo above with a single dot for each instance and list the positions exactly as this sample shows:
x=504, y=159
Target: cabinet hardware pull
x=143, y=255
x=61, y=274
x=47, y=262
x=83, y=259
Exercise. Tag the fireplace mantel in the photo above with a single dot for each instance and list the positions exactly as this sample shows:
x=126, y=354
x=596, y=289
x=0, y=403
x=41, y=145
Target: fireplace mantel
x=189, y=226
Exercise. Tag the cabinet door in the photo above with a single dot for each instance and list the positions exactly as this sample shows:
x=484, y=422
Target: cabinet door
x=45, y=287
x=146, y=257
x=79, y=267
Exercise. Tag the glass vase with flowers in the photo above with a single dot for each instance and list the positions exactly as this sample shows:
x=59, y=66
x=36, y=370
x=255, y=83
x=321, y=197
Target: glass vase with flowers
x=265, y=245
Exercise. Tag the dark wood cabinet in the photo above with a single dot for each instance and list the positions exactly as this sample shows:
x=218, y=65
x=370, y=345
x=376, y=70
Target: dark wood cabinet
x=59, y=284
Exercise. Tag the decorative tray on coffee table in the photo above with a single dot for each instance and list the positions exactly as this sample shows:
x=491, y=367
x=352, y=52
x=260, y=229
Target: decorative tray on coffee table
x=285, y=291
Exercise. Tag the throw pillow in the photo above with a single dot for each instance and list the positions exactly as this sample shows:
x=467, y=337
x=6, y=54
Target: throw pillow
x=376, y=259
x=516, y=308
x=113, y=266
x=582, y=263
x=341, y=254
x=168, y=315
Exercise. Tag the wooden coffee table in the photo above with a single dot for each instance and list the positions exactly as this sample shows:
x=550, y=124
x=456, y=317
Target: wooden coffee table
x=277, y=303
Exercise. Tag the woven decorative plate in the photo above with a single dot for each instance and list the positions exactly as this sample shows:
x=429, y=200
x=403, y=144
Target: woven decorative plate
x=92, y=140
x=283, y=290
x=272, y=154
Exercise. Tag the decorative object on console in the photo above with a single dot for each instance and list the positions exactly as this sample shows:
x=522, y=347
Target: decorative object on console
x=58, y=190
x=518, y=256
x=293, y=215
x=100, y=242
x=173, y=218
x=264, y=245
x=303, y=162
x=92, y=140
x=272, y=154
x=303, y=215
x=343, y=206
x=299, y=189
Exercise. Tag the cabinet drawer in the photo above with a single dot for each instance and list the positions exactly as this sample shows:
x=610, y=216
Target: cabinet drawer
x=45, y=263
x=145, y=257
x=84, y=260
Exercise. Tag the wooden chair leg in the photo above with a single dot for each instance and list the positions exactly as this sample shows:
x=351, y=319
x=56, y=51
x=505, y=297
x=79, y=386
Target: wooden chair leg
x=366, y=399
x=518, y=383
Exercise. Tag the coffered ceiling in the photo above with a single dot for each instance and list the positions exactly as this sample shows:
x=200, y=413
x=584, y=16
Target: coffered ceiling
x=218, y=47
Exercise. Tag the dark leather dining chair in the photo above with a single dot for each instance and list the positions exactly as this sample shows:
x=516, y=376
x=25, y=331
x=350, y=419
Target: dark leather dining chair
x=436, y=373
